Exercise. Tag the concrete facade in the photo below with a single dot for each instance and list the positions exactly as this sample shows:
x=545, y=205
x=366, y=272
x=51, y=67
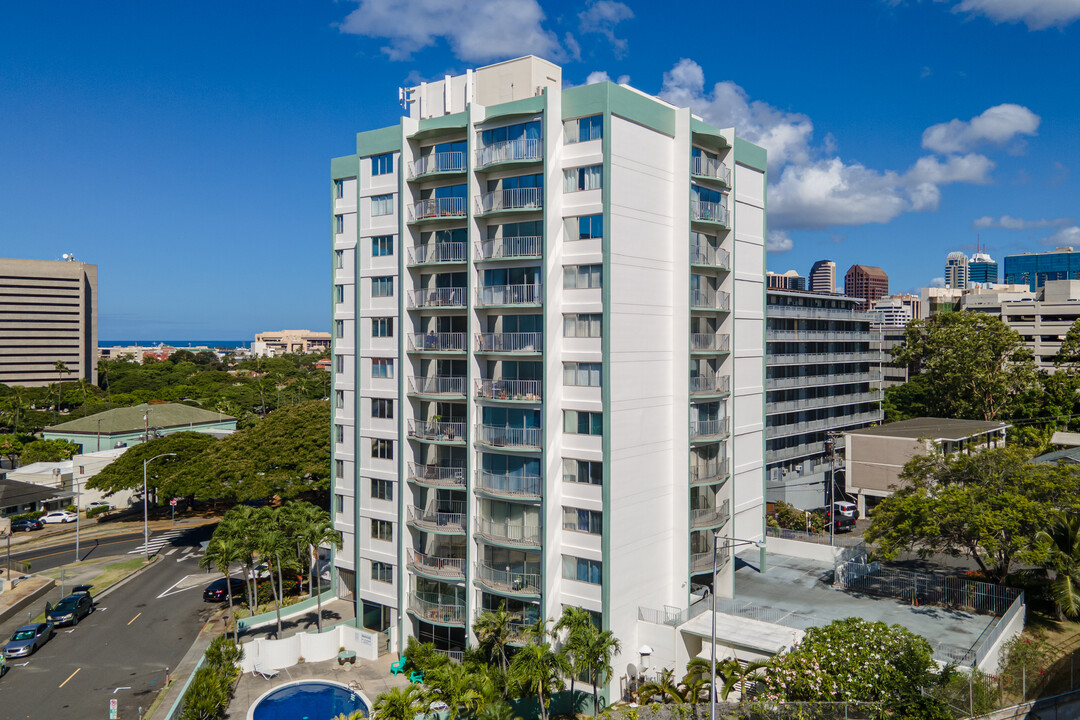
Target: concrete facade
x=866, y=282
x=273, y=344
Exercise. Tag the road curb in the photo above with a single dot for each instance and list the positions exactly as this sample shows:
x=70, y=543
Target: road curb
x=125, y=580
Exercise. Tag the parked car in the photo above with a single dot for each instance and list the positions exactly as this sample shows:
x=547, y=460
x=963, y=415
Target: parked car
x=100, y=504
x=59, y=516
x=27, y=639
x=73, y=608
x=26, y=525
x=216, y=591
x=847, y=509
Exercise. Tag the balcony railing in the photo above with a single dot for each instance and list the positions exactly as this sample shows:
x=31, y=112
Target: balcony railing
x=509, y=581
x=709, y=473
x=834, y=423
x=526, y=246
x=821, y=335
x=708, y=211
x=442, y=162
x=520, y=150
x=510, y=294
x=437, y=475
x=524, y=535
x=437, y=342
x=710, y=299
x=447, y=207
x=705, y=254
x=710, y=384
x=703, y=562
x=710, y=516
x=437, y=385
x=822, y=402
x=832, y=357
x=432, y=519
x=816, y=313
x=498, y=389
x=814, y=380
x=709, y=167
x=508, y=437
x=437, y=430
x=511, y=486
x=708, y=428
x=440, y=252
x=710, y=342
x=510, y=199
x=439, y=613
x=519, y=342
x=438, y=297
x=439, y=566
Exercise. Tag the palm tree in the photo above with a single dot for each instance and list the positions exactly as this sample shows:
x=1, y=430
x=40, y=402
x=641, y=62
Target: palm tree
x=454, y=685
x=493, y=630
x=398, y=704
x=580, y=630
x=61, y=370
x=697, y=679
x=730, y=672
x=315, y=529
x=537, y=631
x=600, y=649
x=538, y=669
x=222, y=552
x=498, y=710
x=664, y=687
x=1063, y=541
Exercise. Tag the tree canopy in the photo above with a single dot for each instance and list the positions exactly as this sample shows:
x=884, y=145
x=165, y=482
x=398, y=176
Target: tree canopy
x=126, y=472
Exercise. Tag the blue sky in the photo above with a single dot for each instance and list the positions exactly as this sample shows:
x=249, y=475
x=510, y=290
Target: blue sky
x=184, y=147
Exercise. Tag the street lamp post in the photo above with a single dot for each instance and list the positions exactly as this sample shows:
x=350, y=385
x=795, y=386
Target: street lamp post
x=730, y=543
x=145, y=501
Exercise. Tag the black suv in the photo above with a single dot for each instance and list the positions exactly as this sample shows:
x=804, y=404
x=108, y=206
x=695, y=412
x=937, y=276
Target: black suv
x=73, y=608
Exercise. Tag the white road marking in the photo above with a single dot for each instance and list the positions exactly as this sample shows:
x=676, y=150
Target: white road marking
x=126, y=687
x=157, y=542
x=171, y=552
x=188, y=582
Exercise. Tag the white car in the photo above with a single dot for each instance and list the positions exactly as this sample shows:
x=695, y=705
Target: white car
x=99, y=504
x=59, y=516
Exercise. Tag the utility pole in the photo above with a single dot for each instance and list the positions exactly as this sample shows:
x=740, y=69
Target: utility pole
x=830, y=448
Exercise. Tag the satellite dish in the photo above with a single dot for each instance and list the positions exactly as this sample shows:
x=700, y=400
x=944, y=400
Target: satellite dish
x=631, y=670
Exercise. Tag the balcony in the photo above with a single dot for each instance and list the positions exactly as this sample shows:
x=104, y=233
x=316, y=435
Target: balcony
x=510, y=199
x=509, y=438
x=703, y=562
x=444, y=252
x=431, y=520
x=772, y=408
x=437, y=342
x=509, y=390
x=780, y=430
x=709, y=473
x=710, y=384
x=822, y=335
x=509, y=582
x=510, y=535
x=509, y=248
x=500, y=295
x=437, y=476
x=708, y=256
x=443, y=163
x=710, y=300
x=707, y=167
x=709, y=212
x=710, y=342
x=437, y=386
x=815, y=313
x=512, y=487
x=510, y=343
x=446, y=297
x=447, y=208
x=832, y=357
x=521, y=150
x=708, y=429
x=709, y=517
x=786, y=383
x=437, y=431
x=437, y=613
x=440, y=567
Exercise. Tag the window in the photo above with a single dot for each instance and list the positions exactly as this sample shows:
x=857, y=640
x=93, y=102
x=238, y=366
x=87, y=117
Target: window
x=382, y=530
x=590, y=472
x=582, y=570
x=339, y=469
x=587, y=521
x=582, y=276
x=380, y=571
x=339, y=259
x=382, y=408
x=382, y=245
x=382, y=327
x=339, y=294
x=585, y=129
x=339, y=189
x=339, y=328
x=339, y=399
x=585, y=227
x=582, y=326
x=382, y=286
x=339, y=503
x=382, y=449
x=382, y=164
x=382, y=205
x=382, y=368
x=589, y=177
x=339, y=363
x=581, y=374
x=382, y=489
x=339, y=223
x=339, y=433
x=579, y=422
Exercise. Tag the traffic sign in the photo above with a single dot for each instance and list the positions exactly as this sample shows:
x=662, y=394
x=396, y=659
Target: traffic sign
x=113, y=707
x=173, y=502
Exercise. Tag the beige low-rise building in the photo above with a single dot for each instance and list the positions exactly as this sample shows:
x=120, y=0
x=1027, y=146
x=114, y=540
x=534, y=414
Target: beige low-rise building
x=301, y=342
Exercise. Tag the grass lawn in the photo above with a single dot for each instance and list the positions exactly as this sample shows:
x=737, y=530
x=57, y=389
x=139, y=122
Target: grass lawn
x=100, y=579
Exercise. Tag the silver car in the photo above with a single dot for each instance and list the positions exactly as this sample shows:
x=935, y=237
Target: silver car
x=27, y=639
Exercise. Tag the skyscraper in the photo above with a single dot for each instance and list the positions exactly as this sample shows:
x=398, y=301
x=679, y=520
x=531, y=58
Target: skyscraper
x=823, y=277
x=1034, y=269
x=982, y=270
x=789, y=280
x=867, y=282
x=956, y=271
x=534, y=375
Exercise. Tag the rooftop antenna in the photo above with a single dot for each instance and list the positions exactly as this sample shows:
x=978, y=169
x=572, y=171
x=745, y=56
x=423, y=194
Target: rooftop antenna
x=70, y=257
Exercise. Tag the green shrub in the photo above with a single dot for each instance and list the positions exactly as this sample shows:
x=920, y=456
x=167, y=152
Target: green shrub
x=99, y=510
x=72, y=509
x=28, y=516
x=211, y=689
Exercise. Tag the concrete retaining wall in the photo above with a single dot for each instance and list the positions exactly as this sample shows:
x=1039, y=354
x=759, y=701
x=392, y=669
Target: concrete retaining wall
x=813, y=551
x=23, y=603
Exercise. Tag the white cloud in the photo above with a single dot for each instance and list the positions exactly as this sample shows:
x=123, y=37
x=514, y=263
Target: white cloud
x=1069, y=236
x=938, y=282
x=778, y=242
x=997, y=126
x=1010, y=223
x=1036, y=14
x=971, y=168
x=597, y=76
x=601, y=16
x=829, y=192
x=476, y=30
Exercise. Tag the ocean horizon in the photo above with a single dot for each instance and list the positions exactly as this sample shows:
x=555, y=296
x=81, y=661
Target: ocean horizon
x=175, y=343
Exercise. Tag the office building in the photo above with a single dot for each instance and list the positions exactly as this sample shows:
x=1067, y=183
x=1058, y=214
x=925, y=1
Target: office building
x=548, y=364
x=890, y=318
x=823, y=367
x=823, y=277
x=1035, y=269
x=956, y=271
x=48, y=314
x=867, y=283
x=790, y=280
x=299, y=342
x=982, y=270
x=1042, y=318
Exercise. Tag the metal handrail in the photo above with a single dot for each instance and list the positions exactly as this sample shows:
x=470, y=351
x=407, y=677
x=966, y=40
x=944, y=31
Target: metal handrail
x=709, y=167
x=510, y=247
x=710, y=383
x=705, y=254
x=830, y=401
x=445, y=567
x=446, y=207
x=510, y=485
x=499, y=389
x=505, y=532
x=704, y=517
x=510, y=294
x=437, y=342
x=438, y=252
x=712, y=299
x=812, y=380
x=437, y=475
x=438, y=297
x=437, y=430
x=719, y=342
x=510, y=342
x=437, y=612
x=709, y=211
x=510, y=437
x=709, y=472
x=708, y=428
x=510, y=580
x=808, y=358
x=510, y=199
x=437, y=163
x=437, y=385
x=450, y=521
x=520, y=150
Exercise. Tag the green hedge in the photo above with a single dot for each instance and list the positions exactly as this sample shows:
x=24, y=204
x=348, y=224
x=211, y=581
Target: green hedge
x=28, y=516
x=95, y=511
x=211, y=689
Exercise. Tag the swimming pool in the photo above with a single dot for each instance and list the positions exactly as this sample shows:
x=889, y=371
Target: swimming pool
x=308, y=700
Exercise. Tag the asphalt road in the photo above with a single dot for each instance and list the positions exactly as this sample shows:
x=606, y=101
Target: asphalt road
x=47, y=558
x=122, y=649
